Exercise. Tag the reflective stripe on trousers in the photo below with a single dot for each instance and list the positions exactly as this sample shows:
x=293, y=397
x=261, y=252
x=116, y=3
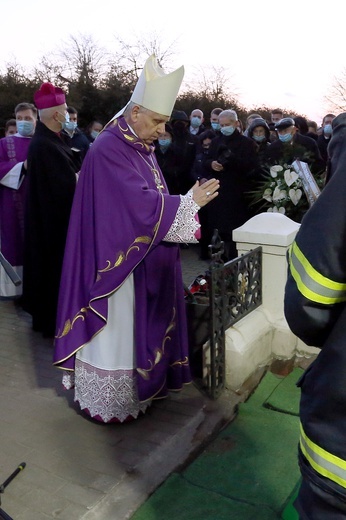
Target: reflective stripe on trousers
x=323, y=462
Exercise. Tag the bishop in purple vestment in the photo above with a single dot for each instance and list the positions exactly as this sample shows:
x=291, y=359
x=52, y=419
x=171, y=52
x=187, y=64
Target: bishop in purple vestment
x=121, y=324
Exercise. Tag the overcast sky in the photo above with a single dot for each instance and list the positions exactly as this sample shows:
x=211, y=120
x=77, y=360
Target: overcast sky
x=276, y=53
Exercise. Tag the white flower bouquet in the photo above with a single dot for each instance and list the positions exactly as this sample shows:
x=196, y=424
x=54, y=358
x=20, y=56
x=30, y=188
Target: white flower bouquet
x=280, y=190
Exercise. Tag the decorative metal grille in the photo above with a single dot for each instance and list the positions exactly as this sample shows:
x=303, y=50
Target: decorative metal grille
x=243, y=285
x=235, y=290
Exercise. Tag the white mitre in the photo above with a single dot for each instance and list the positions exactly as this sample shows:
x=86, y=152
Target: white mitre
x=156, y=90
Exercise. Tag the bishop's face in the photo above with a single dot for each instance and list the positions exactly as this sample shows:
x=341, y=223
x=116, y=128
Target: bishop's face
x=147, y=125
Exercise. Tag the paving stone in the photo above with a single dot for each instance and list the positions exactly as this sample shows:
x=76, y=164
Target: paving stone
x=80, y=494
x=78, y=469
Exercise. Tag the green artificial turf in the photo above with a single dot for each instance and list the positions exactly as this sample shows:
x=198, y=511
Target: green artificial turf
x=248, y=472
x=290, y=513
x=178, y=499
x=285, y=396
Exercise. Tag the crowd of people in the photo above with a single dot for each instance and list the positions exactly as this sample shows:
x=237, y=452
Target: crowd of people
x=190, y=148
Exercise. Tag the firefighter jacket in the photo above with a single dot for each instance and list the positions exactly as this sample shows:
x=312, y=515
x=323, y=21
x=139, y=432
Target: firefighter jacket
x=315, y=309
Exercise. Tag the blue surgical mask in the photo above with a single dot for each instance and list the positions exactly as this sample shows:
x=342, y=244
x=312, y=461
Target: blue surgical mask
x=25, y=128
x=259, y=138
x=285, y=138
x=70, y=126
x=196, y=122
x=94, y=134
x=216, y=126
x=164, y=143
x=67, y=120
x=227, y=130
x=327, y=129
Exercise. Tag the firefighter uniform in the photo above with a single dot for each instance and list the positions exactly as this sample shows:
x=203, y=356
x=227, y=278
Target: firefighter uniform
x=315, y=309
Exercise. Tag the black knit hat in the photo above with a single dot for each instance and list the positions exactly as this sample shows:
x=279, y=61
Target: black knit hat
x=179, y=115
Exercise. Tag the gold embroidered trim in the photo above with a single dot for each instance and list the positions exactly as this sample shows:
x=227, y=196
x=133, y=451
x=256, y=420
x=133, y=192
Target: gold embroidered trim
x=183, y=362
x=133, y=138
x=123, y=256
x=69, y=323
x=145, y=373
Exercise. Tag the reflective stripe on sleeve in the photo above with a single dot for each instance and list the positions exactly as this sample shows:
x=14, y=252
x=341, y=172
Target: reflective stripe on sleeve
x=323, y=462
x=311, y=283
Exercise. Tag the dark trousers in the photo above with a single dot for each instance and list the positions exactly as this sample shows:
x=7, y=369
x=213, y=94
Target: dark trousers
x=311, y=504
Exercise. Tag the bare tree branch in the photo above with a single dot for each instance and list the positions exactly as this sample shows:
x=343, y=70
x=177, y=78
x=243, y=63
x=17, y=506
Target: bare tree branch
x=336, y=98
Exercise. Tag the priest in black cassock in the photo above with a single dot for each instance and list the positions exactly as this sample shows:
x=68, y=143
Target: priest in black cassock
x=52, y=168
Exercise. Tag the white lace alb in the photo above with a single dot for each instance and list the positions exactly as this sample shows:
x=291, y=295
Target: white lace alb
x=185, y=224
x=107, y=394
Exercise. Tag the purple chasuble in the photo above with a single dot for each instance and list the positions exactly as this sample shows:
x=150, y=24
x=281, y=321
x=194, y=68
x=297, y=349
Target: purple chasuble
x=121, y=212
x=13, y=149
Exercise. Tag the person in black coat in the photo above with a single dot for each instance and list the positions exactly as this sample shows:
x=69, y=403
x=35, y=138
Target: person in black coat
x=77, y=139
x=202, y=151
x=323, y=141
x=168, y=159
x=303, y=128
x=52, y=167
x=232, y=159
x=185, y=146
x=259, y=132
x=199, y=173
x=292, y=145
x=196, y=123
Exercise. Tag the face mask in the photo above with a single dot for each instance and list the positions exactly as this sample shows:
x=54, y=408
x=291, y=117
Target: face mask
x=25, y=128
x=94, y=134
x=70, y=126
x=259, y=138
x=196, y=122
x=67, y=120
x=215, y=126
x=164, y=143
x=327, y=129
x=227, y=130
x=285, y=138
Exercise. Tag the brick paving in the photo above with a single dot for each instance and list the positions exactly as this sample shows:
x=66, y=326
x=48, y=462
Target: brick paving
x=77, y=468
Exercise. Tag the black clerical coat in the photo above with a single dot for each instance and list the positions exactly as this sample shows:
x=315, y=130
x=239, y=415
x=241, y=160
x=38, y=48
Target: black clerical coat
x=52, y=167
